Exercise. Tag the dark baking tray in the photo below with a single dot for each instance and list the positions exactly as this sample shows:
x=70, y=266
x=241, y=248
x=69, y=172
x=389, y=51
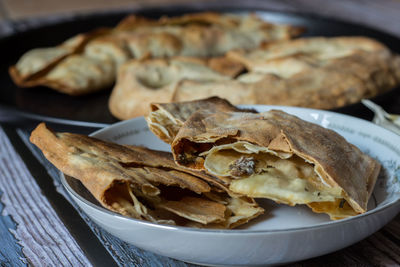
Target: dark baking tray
x=24, y=107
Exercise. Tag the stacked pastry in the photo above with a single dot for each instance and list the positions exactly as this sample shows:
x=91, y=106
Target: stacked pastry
x=222, y=158
x=241, y=58
x=89, y=62
x=270, y=155
x=145, y=184
x=317, y=72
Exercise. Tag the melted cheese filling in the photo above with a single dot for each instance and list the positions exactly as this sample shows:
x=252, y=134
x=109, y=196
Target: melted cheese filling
x=260, y=172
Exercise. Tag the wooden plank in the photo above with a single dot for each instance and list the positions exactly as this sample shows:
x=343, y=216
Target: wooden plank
x=44, y=238
x=380, y=249
x=11, y=252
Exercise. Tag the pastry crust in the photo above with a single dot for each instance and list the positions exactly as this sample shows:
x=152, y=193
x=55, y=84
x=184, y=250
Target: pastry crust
x=165, y=119
x=317, y=72
x=338, y=164
x=315, y=48
x=97, y=55
x=143, y=183
x=34, y=68
x=141, y=82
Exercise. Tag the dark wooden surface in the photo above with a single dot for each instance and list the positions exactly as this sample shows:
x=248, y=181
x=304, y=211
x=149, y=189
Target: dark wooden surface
x=63, y=235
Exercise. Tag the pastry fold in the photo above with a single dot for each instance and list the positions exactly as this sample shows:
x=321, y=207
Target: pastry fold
x=315, y=72
x=278, y=156
x=143, y=183
x=89, y=62
x=141, y=82
x=165, y=119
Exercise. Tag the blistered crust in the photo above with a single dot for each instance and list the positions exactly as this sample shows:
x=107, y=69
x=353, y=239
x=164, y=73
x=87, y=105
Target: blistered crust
x=338, y=163
x=143, y=183
x=199, y=35
x=316, y=72
x=165, y=119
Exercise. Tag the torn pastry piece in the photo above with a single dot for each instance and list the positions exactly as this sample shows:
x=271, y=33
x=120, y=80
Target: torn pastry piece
x=278, y=156
x=141, y=82
x=89, y=62
x=143, y=183
x=165, y=119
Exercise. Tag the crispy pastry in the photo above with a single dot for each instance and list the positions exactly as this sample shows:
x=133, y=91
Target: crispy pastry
x=144, y=184
x=80, y=65
x=316, y=72
x=141, y=82
x=278, y=156
x=89, y=62
x=165, y=119
x=320, y=72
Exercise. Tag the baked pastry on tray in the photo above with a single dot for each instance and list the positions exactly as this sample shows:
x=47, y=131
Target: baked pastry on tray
x=88, y=62
x=327, y=72
x=140, y=82
x=278, y=156
x=143, y=183
x=315, y=72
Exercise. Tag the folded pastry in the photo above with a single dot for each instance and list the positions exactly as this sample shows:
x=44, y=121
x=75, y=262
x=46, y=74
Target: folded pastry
x=204, y=34
x=165, y=119
x=321, y=72
x=278, y=156
x=80, y=65
x=316, y=48
x=141, y=82
x=144, y=184
x=315, y=72
x=89, y=62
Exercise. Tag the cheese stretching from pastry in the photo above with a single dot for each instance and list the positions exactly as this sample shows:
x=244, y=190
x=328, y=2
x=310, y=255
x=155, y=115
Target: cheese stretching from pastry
x=145, y=184
x=89, y=62
x=278, y=156
x=316, y=72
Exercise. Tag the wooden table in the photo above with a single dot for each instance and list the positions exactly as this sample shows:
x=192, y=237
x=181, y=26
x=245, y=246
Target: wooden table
x=40, y=225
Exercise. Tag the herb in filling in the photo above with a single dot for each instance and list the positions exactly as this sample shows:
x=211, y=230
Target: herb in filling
x=243, y=167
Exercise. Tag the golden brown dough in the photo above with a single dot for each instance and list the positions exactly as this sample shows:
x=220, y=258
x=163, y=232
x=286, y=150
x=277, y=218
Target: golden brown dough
x=32, y=68
x=96, y=56
x=281, y=157
x=317, y=72
x=143, y=183
x=141, y=82
x=165, y=119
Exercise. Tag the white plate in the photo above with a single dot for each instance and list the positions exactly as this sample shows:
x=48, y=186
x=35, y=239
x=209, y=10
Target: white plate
x=284, y=234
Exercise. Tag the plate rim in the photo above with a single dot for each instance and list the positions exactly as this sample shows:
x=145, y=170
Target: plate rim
x=328, y=224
